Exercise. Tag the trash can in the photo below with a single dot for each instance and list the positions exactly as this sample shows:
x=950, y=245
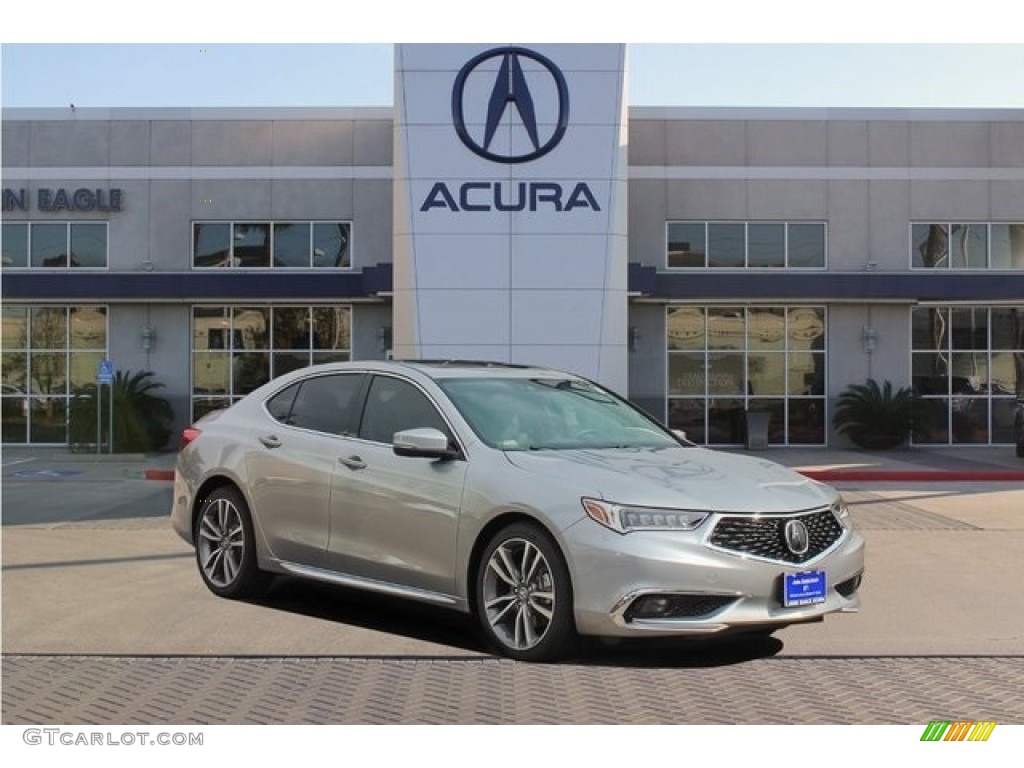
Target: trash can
x=757, y=430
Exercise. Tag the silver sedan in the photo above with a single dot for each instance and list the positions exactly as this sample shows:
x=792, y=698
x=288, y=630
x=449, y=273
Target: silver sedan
x=545, y=505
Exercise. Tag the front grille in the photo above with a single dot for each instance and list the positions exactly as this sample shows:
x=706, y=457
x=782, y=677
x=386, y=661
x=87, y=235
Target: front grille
x=764, y=537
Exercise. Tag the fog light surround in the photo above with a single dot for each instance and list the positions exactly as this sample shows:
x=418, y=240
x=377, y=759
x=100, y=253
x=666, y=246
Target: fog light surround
x=653, y=607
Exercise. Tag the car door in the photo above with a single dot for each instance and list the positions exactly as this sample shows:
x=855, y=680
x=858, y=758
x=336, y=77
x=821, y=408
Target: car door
x=292, y=464
x=395, y=518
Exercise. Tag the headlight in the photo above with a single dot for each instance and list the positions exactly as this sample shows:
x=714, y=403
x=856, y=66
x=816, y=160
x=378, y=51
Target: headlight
x=623, y=518
x=841, y=511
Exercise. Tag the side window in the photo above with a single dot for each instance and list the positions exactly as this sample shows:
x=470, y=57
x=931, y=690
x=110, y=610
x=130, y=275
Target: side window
x=393, y=405
x=280, y=405
x=325, y=403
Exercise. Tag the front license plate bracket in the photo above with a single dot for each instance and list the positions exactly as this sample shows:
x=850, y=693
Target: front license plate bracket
x=804, y=588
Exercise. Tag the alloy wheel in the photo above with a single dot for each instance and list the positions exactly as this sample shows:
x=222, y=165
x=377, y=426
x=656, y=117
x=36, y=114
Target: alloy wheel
x=518, y=594
x=221, y=542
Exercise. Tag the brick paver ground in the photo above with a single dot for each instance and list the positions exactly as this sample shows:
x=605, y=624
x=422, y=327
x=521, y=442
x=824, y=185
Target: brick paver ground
x=97, y=690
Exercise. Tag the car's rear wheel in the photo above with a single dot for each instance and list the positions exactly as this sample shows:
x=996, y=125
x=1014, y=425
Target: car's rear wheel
x=524, y=595
x=225, y=546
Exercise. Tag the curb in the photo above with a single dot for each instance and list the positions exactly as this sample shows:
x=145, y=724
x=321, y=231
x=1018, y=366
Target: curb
x=159, y=474
x=914, y=476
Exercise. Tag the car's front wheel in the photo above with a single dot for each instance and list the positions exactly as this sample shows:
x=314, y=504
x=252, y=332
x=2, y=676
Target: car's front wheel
x=225, y=546
x=524, y=595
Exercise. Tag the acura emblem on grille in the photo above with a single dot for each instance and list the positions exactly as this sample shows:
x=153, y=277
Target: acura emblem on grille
x=797, y=538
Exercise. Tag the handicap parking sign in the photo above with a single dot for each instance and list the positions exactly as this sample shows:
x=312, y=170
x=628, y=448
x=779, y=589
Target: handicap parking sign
x=105, y=372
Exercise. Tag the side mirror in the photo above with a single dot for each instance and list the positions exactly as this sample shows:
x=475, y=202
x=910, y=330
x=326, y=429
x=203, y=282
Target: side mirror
x=681, y=434
x=424, y=443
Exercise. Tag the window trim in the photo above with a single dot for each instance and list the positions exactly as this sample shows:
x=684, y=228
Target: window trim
x=785, y=223
x=27, y=395
x=745, y=351
x=272, y=223
x=310, y=350
x=31, y=224
x=950, y=395
x=949, y=267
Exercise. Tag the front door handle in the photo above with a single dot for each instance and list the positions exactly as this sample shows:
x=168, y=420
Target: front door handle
x=353, y=462
x=270, y=441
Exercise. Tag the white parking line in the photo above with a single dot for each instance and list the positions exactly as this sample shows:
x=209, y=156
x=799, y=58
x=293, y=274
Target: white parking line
x=13, y=462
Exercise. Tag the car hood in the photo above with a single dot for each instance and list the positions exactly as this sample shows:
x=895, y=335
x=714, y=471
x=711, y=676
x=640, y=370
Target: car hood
x=690, y=478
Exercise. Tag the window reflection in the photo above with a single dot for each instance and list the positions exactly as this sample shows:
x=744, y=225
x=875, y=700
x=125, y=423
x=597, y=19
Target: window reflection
x=958, y=245
x=749, y=358
x=726, y=245
x=687, y=246
x=237, y=349
x=211, y=245
x=806, y=245
x=738, y=245
x=767, y=245
x=968, y=365
x=263, y=244
x=88, y=245
x=330, y=245
x=251, y=244
x=291, y=244
x=14, y=245
x=48, y=353
x=49, y=245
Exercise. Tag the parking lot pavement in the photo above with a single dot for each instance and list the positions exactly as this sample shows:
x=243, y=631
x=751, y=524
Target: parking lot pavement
x=106, y=620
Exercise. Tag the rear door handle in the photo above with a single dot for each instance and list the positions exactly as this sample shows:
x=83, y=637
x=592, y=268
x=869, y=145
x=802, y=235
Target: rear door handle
x=353, y=462
x=270, y=441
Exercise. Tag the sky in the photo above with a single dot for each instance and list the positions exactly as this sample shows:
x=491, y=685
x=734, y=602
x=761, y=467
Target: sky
x=741, y=53
x=285, y=75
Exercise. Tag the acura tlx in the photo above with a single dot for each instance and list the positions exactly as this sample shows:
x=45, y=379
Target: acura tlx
x=546, y=506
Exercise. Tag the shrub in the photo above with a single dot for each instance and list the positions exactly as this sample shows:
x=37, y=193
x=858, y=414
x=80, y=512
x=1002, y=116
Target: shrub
x=877, y=417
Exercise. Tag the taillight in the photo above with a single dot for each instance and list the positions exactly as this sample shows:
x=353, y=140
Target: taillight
x=188, y=435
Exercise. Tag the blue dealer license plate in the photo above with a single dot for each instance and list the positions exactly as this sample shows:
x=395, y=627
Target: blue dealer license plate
x=804, y=588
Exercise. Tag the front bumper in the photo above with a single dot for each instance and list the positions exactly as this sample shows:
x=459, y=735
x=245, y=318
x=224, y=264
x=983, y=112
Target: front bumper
x=718, y=590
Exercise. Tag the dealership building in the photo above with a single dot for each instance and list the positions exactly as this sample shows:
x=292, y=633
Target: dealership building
x=708, y=263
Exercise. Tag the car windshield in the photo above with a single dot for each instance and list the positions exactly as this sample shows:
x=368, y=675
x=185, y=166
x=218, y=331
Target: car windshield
x=519, y=414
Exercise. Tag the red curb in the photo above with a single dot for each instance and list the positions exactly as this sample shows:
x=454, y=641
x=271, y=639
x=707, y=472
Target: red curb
x=160, y=474
x=914, y=476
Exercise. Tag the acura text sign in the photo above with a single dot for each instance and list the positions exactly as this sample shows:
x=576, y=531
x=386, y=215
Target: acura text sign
x=510, y=197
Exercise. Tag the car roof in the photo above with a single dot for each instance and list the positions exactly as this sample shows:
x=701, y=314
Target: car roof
x=447, y=368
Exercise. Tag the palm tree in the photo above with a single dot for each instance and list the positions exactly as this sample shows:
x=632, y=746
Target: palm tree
x=140, y=418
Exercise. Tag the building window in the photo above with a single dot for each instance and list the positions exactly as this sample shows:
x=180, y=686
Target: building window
x=966, y=246
x=236, y=349
x=968, y=365
x=48, y=354
x=725, y=361
x=745, y=245
x=55, y=244
x=266, y=244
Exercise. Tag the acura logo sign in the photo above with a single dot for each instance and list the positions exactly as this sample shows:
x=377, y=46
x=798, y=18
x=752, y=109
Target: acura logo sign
x=512, y=97
x=797, y=537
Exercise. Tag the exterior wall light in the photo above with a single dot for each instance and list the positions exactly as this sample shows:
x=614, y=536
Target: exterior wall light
x=869, y=337
x=148, y=338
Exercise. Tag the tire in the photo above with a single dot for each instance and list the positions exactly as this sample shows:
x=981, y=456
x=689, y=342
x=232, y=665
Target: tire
x=226, y=547
x=525, y=615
